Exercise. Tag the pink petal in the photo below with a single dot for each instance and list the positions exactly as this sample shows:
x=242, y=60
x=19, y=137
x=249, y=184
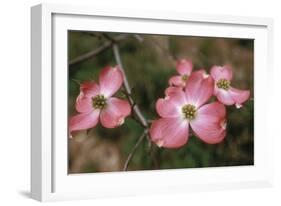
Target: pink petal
x=84, y=104
x=115, y=112
x=110, y=80
x=224, y=96
x=178, y=97
x=184, y=67
x=239, y=96
x=169, y=132
x=89, y=89
x=171, y=105
x=201, y=72
x=84, y=121
x=219, y=72
x=199, y=88
x=232, y=96
x=176, y=81
x=84, y=99
x=168, y=107
x=214, y=110
x=171, y=90
x=209, y=123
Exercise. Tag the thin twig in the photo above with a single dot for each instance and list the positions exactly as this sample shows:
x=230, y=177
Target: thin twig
x=108, y=37
x=76, y=81
x=166, y=51
x=96, y=51
x=94, y=34
x=138, y=37
x=135, y=107
x=133, y=104
x=131, y=154
x=128, y=88
x=151, y=153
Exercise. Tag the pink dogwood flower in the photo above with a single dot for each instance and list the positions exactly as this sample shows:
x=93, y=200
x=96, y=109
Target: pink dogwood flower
x=181, y=109
x=174, y=89
x=184, y=68
x=223, y=90
x=96, y=102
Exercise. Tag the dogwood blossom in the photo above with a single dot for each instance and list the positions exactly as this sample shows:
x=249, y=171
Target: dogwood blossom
x=223, y=90
x=183, y=108
x=96, y=102
x=184, y=68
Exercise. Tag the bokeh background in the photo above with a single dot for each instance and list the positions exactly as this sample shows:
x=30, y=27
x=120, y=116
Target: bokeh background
x=148, y=61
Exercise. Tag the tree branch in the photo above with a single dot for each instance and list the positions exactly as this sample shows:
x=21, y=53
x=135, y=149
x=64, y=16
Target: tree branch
x=96, y=51
x=131, y=154
x=128, y=88
x=137, y=112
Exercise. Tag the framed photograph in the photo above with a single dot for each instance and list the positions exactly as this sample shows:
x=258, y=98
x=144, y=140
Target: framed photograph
x=137, y=102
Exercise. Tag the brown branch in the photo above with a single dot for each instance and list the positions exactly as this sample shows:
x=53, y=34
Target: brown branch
x=128, y=88
x=96, y=51
x=137, y=112
x=133, y=104
x=131, y=154
x=108, y=37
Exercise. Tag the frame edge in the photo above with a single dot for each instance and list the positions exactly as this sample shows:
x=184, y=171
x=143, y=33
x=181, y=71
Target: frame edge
x=36, y=138
x=38, y=189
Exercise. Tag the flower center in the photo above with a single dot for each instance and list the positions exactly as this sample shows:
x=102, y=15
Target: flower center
x=99, y=101
x=223, y=84
x=184, y=77
x=189, y=111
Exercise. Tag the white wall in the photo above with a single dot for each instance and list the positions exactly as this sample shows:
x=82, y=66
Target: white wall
x=15, y=95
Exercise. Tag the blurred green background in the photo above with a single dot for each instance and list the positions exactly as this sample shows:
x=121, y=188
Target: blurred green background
x=148, y=63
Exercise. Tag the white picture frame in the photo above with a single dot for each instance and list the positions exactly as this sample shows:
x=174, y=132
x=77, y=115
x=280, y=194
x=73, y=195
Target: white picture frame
x=49, y=178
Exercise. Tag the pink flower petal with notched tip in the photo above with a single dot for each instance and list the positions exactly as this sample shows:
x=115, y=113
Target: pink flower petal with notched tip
x=176, y=81
x=209, y=123
x=110, y=79
x=199, y=88
x=239, y=96
x=84, y=104
x=178, y=97
x=214, y=110
x=232, y=96
x=171, y=90
x=169, y=132
x=89, y=89
x=115, y=112
x=84, y=100
x=169, y=107
x=184, y=67
x=218, y=72
x=224, y=96
x=84, y=121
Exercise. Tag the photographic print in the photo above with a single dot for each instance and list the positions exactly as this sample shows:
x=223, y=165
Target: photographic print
x=151, y=102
